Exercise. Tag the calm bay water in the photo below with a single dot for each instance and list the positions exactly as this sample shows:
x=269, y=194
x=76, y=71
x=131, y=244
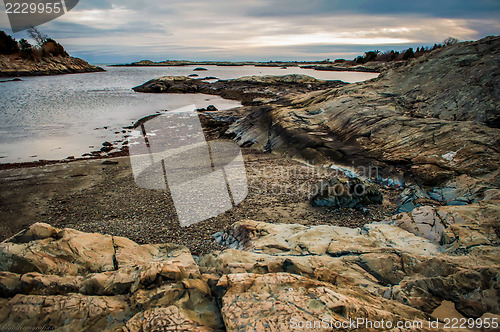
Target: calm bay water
x=53, y=117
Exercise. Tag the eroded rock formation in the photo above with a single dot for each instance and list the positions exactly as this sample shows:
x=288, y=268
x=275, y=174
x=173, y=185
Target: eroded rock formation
x=251, y=90
x=433, y=119
x=78, y=281
x=274, y=276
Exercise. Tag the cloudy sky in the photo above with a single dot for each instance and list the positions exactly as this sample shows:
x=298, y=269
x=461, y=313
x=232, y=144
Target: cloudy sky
x=112, y=31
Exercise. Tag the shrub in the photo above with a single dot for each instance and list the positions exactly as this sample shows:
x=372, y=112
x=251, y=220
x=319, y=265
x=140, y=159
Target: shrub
x=26, y=49
x=8, y=45
x=408, y=54
x=371, y=56
x=52, y=48
x=360, y=60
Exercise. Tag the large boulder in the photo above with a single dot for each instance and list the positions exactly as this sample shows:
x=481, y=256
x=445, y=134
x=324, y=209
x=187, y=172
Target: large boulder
x=74, y=281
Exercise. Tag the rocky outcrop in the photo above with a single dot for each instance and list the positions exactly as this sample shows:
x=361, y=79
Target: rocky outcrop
x=274, y=276
x=16, y=66
x=371, y=67
x=382, y=259
x=462, y=190
x=251, y=90
x=286, y=301
x=433, y=119
x=74, y=281
x=442, y=248
x=459, y=82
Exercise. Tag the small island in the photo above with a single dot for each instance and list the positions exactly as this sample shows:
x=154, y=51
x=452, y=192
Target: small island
x=48, y=57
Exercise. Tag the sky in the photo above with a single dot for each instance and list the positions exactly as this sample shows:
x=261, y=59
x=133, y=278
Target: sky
x=120, y=31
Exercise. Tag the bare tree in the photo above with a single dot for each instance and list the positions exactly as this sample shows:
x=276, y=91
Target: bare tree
x=39, y=37
x=450, y=41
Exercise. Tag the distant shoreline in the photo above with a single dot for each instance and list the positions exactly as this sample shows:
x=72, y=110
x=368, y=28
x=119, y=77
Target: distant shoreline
x=372, y=67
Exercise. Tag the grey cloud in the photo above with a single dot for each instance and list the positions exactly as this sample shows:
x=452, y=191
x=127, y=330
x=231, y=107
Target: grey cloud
x=195, y=29
x=442, y=8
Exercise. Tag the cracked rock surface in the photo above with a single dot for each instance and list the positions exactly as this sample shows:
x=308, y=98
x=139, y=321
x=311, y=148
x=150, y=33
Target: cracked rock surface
x=71, y=281
x=275, y=274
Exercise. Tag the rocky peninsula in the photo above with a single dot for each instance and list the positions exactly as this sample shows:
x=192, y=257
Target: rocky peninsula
x=15, y=67
x=48, y=58
x=421, y=248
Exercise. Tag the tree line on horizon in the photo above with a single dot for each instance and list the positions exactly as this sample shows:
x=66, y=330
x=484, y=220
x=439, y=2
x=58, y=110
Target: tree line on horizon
x=393, y=55
x=45, y=46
